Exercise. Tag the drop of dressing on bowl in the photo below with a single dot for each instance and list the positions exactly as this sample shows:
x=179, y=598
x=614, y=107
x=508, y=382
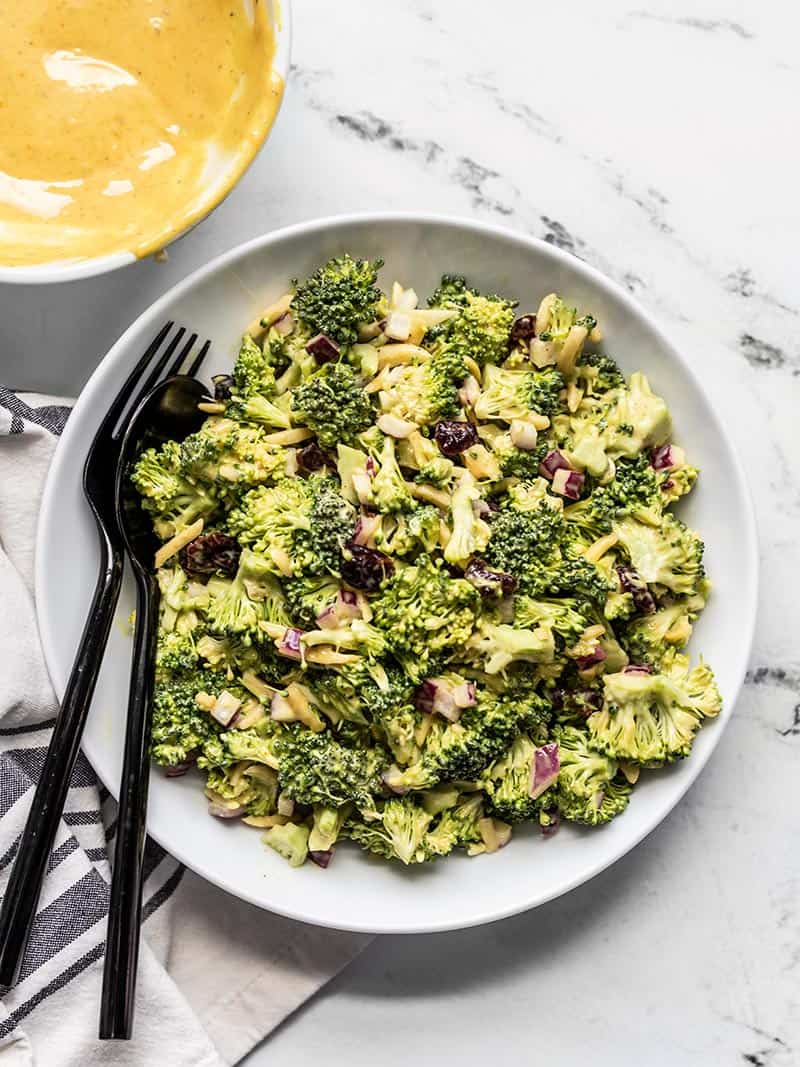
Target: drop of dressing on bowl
x=123, y=121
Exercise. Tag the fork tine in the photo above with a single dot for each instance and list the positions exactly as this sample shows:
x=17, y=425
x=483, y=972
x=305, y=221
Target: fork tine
x=122, y=397
x=198, y=360
x=151, y=379
x=182, y=355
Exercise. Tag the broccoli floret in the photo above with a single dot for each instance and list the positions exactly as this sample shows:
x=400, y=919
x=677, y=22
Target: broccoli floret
x=315, y=769
x=460, y=751
x=333, y=404
x=457, y=826
x=545, y=391
x=229, y=654
x=274, y=414
x=259, y=743
x=482, y=328
x=307, y=598
x=229, y=455
x=253, y=786
x=599, y=374
x=423, y=393
x=176, y=651
x=167, y=494
x=409, y=534
x=289, y=841
x=639, y=419
x=565, y=617
x=253, y=374
x=535, y=547
x=180, y=728
x=507, y=783
x=470, y=533
x=650, y=718
x=590, y=790
x=253, y=596
x=648, y=638
x=326, y=827
x=389, y=490
x=423, y=611
x=358, y=635
x=182, y=603
x=677, y=483
x=513, y=394
x=303, y=522
x=339, y=297
x=671, y=555
x=394, y=829
x=635, y=490
x=495, y=646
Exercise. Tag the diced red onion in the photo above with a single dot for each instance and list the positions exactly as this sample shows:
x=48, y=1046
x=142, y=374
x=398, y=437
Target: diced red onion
x=347, y=606
x=546, y=765
x=523, y=435
x=289, y=644
x=179, y=769
x=285, y=324
x=328, y=618
x=667, y=484
x=366, y=528
x=219, y=811
x=664, y=457
x=637, y=668
x=469, y=392
x=322, y=348
x=568, y=483
x=481, y=508
x=321, y=857
x=371, y=467
x=362, y=484
x=390, y=780
x=552, y=462
x=464, y=695
x=280, y=709
x=434, y=696
x=225, y=707
x=583, y=663
x=554, y=824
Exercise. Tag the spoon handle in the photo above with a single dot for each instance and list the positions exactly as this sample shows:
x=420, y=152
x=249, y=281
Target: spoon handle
x=124, y=917
x=33, y=852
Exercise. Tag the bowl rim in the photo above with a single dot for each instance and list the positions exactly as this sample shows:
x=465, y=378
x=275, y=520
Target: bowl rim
x=748, y=538
x=79, y=269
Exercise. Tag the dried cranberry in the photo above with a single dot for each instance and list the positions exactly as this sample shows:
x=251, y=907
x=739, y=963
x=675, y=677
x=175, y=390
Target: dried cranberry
x=313, y=458
x=489, y=582
x=211, y=553
x=523, y=329
x=366, y=568
x=453, y=437
x=322, y=348
x=631, y=582
x=223, y=386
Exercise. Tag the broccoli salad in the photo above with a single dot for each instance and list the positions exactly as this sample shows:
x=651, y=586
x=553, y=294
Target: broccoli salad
x=420, y=580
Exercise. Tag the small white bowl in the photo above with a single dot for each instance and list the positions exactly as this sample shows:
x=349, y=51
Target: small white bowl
x=225, y=178
x=356, y=892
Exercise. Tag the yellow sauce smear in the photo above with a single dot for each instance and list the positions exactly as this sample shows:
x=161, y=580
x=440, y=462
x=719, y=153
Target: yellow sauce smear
x=123, y=121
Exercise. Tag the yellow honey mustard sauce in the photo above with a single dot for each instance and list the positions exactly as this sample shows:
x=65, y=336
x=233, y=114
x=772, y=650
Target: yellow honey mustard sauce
x=123, y=121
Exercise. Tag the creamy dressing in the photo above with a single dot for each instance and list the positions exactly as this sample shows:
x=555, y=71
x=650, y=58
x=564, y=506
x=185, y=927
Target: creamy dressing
x=123, y=121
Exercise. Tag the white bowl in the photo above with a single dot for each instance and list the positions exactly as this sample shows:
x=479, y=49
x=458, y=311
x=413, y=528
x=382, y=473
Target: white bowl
x=223, y=178
x=356, y=892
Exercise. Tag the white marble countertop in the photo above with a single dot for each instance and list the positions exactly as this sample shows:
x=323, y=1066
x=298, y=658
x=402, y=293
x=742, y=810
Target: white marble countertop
x=658, y=143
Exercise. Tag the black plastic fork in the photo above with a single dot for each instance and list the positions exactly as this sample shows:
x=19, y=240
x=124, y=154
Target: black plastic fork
x=167, y=354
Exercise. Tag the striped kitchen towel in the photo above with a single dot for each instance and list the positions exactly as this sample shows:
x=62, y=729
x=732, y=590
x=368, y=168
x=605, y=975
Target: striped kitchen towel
x=216, y=974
